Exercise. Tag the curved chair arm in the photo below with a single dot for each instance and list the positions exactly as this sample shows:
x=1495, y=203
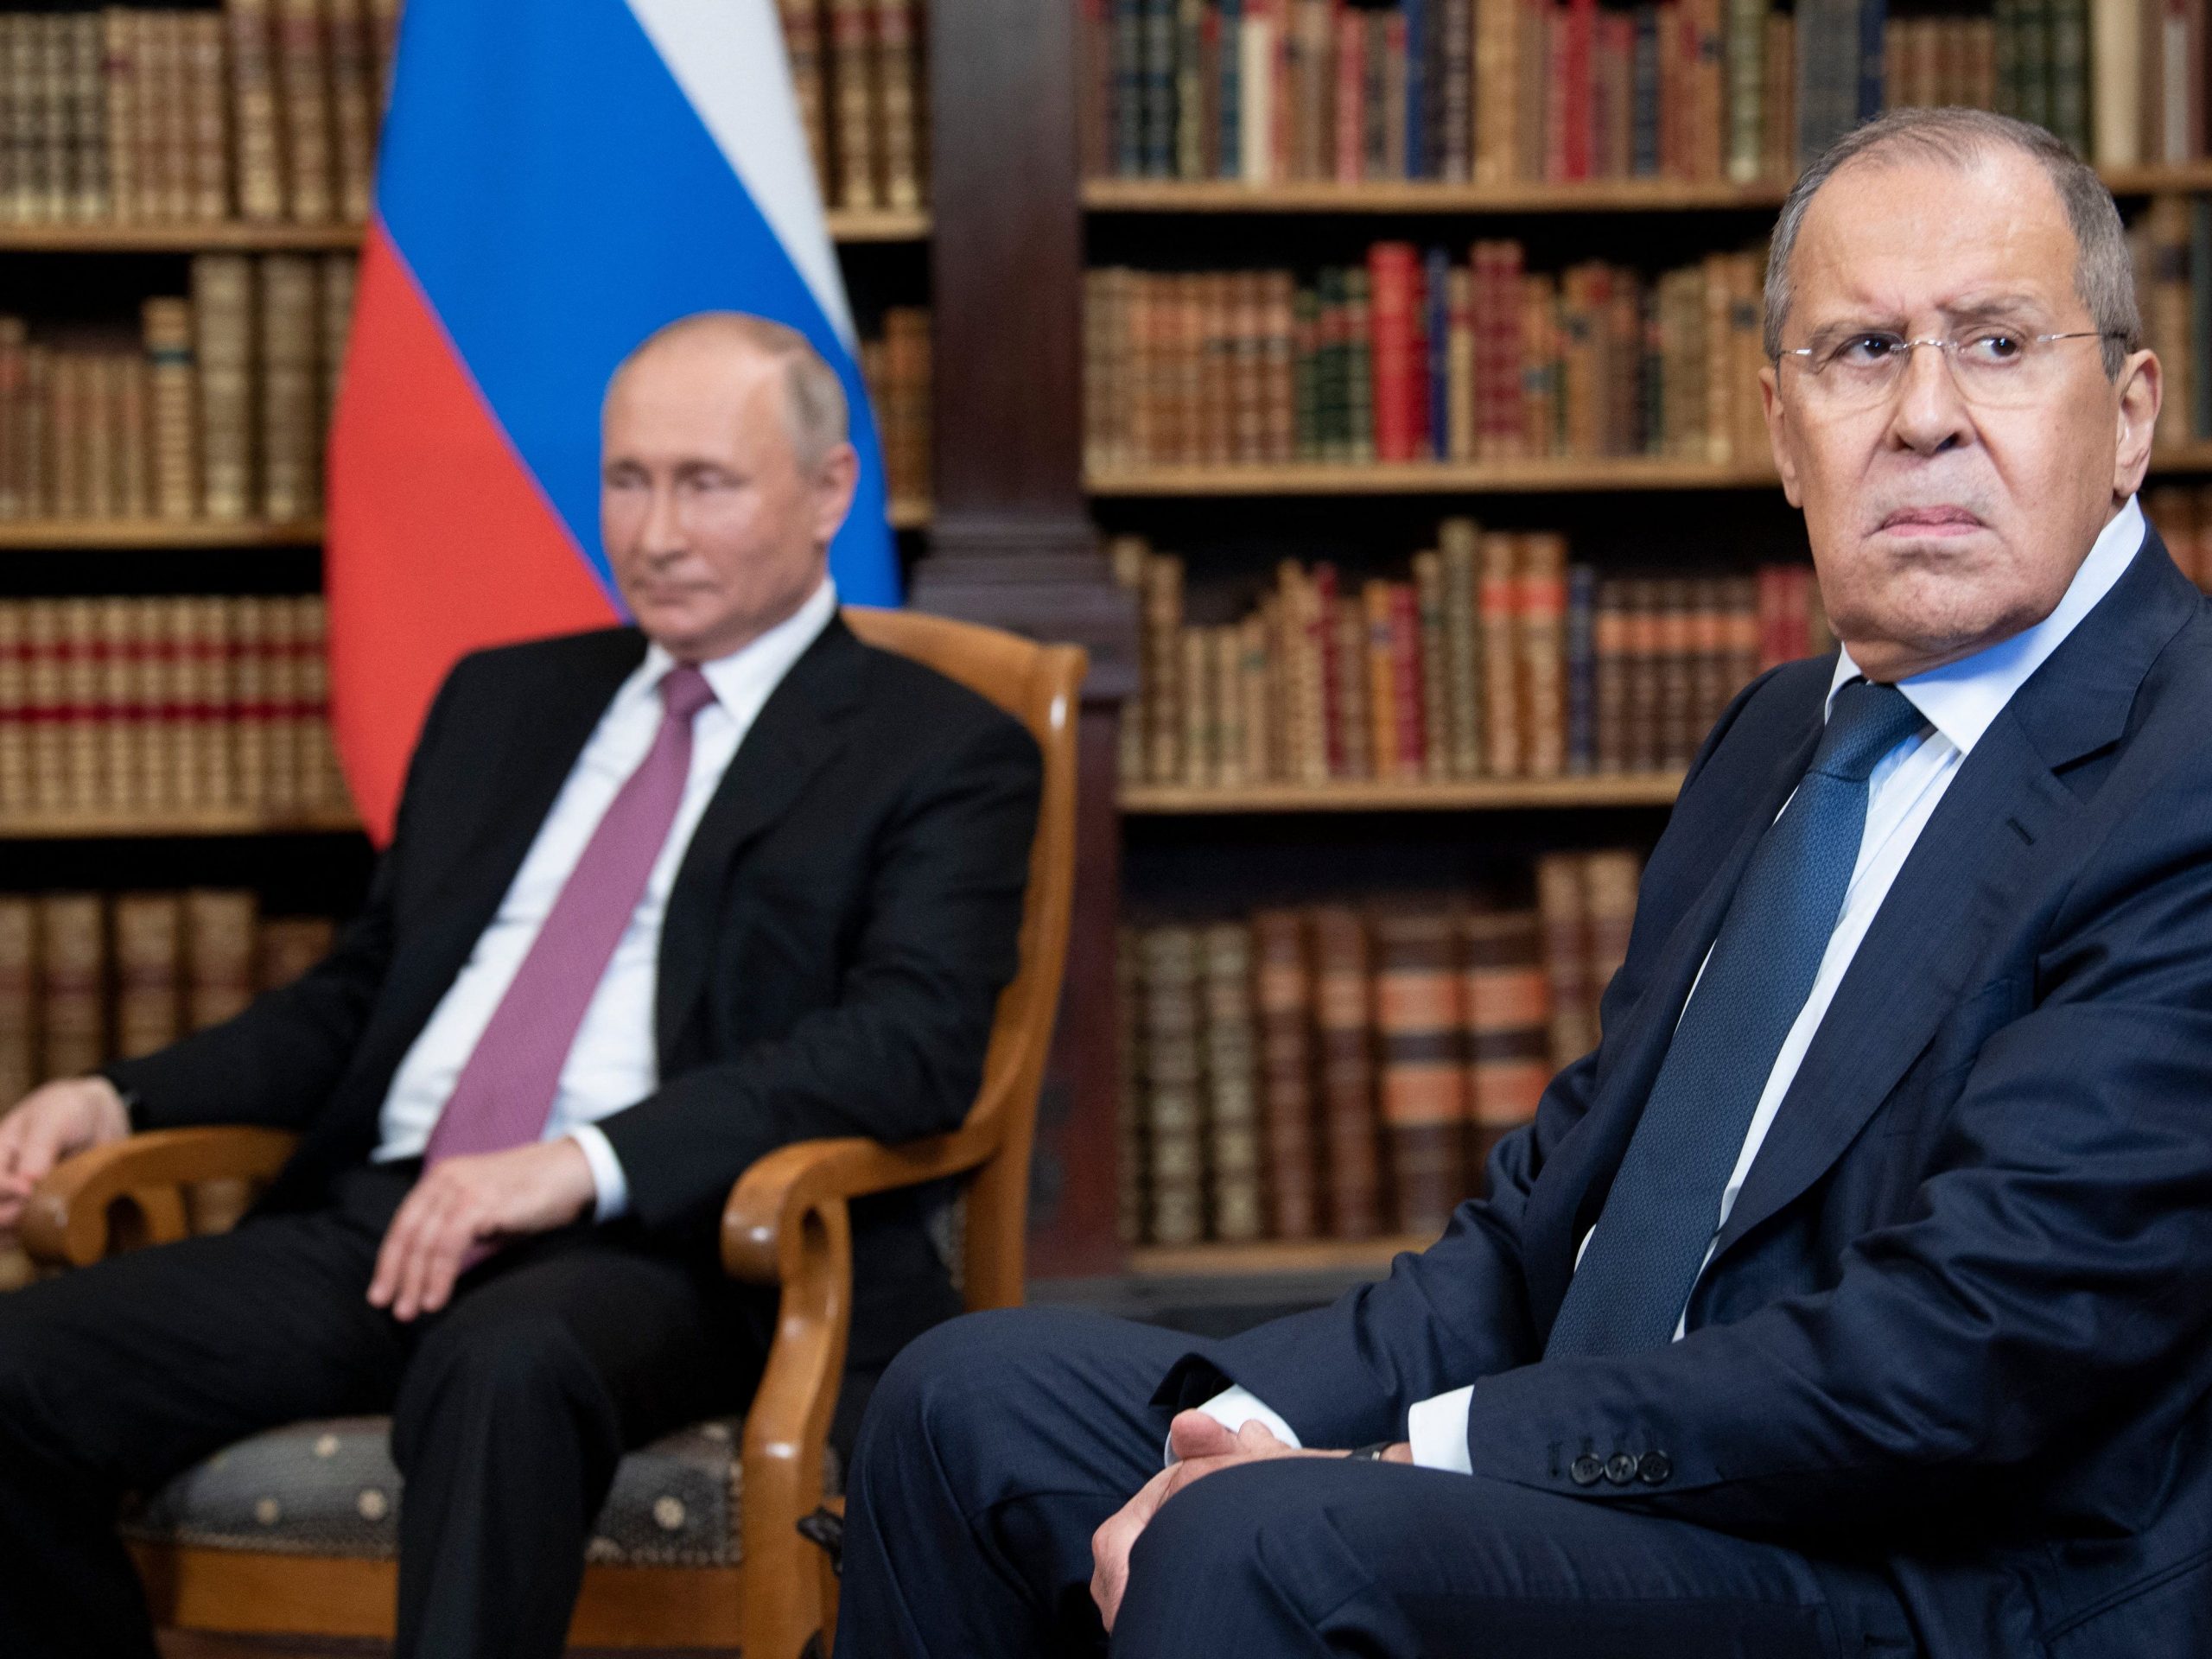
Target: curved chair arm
x=69, y=1220
x=764, y=1223
x=787, y=1225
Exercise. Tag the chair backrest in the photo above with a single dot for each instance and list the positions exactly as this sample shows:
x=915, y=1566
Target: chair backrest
x=1037, y=685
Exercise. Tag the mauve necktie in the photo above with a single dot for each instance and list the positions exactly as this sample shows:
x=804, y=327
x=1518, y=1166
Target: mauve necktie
x=1659, y=1218
x=507, y=1089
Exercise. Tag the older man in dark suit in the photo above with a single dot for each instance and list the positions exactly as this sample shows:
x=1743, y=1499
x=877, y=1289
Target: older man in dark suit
x=1855, y=1296
x=661, y=899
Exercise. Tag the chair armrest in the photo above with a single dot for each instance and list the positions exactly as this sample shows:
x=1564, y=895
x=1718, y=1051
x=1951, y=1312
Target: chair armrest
x=763, y=1223
x=68, y=1221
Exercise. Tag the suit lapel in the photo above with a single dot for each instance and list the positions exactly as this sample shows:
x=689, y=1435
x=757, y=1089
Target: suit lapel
x=1960, y=881
x=796, y=733
x=1573, y=1183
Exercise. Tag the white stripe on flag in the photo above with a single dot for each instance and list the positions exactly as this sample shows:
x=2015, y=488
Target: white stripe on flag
x=728, y=59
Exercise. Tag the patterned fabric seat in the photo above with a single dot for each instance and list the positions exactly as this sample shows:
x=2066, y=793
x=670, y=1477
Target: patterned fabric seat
x=329, y=1488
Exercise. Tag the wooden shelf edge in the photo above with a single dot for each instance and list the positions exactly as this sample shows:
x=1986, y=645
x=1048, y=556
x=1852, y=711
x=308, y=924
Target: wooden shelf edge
x=212, y=822
x=188, y=236
x=63, y=534
x=1489, y=795
x=1430, y=477
x=1270, y=1255
x=879, y=224
x=909, y=514
x=182, y=236
x=1113, y=195
x=1621, y=473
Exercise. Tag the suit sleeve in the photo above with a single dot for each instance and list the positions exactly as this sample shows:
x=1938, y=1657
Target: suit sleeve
x=2056, y=1262
x=900, y=1055
x=277, y=1062
x=1345, y=1375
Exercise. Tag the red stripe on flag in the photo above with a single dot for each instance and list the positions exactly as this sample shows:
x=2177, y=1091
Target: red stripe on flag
x=440, y=541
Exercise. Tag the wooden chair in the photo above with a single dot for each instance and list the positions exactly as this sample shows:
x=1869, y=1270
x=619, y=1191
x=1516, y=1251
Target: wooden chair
x=785, y=1225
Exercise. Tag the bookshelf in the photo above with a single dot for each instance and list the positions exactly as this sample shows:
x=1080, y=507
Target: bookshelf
x=1413, y=197
x=1274, y=1257
x=1500, y=794
x=205, y=823
x=64, y=535
x=847, y=226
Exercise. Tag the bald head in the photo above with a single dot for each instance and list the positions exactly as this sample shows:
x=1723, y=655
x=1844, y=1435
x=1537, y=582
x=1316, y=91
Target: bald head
x=813, y=399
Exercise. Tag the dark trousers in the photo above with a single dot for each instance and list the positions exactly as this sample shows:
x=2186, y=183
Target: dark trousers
x=510, y=1409
x=996, y=1445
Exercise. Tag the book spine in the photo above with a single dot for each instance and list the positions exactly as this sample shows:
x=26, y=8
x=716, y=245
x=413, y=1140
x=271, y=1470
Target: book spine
x=854, y=75
x=1409, y=730
x=1418, y=1023
x=897, y=114
x=1381, y=685
x=1284, y=993
x=1391, y=274
x=802, y=30
x=1175, y=1175
x=1231, y=1058
x=1344, y=1037
x=1506, y=1003
x=72, y=950
x=303, y=73
x=1504, y=754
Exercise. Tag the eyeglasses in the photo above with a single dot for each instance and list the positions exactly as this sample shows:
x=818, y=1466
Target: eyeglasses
x=1996, y=368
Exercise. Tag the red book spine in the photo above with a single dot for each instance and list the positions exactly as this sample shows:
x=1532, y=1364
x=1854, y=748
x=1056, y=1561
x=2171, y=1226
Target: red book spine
x=1582, y=68
x=1322, y=638
x=1393, y=276
x=1351, y=93
x=1406, y=668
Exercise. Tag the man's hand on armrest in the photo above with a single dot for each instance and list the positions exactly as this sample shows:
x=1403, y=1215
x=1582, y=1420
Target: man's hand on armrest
x=49, y=1124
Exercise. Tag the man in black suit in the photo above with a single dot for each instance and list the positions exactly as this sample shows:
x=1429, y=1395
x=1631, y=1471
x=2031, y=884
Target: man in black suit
x=1855, y=1296
x=660, y=900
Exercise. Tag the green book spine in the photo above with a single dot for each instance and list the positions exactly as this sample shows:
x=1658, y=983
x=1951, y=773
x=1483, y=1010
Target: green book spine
x=2069, y=72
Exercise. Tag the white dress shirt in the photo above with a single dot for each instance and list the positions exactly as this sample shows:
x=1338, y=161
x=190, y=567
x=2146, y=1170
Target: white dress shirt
x=1959, y=702
x=613, y=1063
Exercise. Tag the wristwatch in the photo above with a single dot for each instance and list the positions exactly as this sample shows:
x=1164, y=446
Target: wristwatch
x=1371, y=1454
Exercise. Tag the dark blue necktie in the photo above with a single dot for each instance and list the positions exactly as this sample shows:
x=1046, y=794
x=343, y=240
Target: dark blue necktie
x=1664, y=1205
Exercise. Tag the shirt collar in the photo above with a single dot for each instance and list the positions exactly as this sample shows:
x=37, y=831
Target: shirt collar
x=743, y=679
x=1961, y=698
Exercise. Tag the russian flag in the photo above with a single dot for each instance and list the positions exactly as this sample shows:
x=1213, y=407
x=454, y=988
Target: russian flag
x=555, y=181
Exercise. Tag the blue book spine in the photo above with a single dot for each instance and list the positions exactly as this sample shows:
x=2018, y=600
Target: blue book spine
x=1873, y=16
x=1645, y=95
x=1128, y=88
x=1581, y=669
x=1417, y=163
x=1439, y=292
x=1232, y=89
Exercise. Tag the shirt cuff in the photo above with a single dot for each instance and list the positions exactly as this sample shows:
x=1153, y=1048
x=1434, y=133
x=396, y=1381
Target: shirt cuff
x=1437, y=1427
x=606, y=1177
x=1233, y=1408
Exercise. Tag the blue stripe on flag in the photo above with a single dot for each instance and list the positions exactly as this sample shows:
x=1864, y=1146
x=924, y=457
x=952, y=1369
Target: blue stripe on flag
x=558, y=198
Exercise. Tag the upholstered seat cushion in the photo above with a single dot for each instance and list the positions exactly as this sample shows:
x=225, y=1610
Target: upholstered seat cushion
x=329, y=1488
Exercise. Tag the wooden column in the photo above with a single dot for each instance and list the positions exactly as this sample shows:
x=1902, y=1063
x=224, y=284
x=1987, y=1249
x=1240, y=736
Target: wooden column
x=1012, y=542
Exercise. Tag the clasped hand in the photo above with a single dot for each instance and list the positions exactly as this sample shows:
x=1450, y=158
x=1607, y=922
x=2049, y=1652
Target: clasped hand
x=1201, y=1445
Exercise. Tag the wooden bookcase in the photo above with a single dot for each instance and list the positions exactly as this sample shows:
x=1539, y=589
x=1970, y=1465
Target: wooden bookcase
x=1016, y=522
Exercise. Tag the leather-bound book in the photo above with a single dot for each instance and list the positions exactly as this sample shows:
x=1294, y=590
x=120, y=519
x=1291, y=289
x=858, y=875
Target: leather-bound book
x=1507, y=1004
x=1345, y=1034
x=1232, y=1088
x=148, y=958
x=1283, y=987
x=1419, y=1023
x=72, y=952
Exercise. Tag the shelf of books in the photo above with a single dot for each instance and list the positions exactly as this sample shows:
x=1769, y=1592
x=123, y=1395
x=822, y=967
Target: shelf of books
x=1444, y=493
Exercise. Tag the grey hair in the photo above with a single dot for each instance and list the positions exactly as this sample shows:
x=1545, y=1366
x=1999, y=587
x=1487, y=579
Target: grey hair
x=814, y=399
x=2104, y=274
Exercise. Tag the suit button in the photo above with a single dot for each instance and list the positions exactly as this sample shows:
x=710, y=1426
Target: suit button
x=1620, y=1468
x=1587, y=1470
x=1655, y=1468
